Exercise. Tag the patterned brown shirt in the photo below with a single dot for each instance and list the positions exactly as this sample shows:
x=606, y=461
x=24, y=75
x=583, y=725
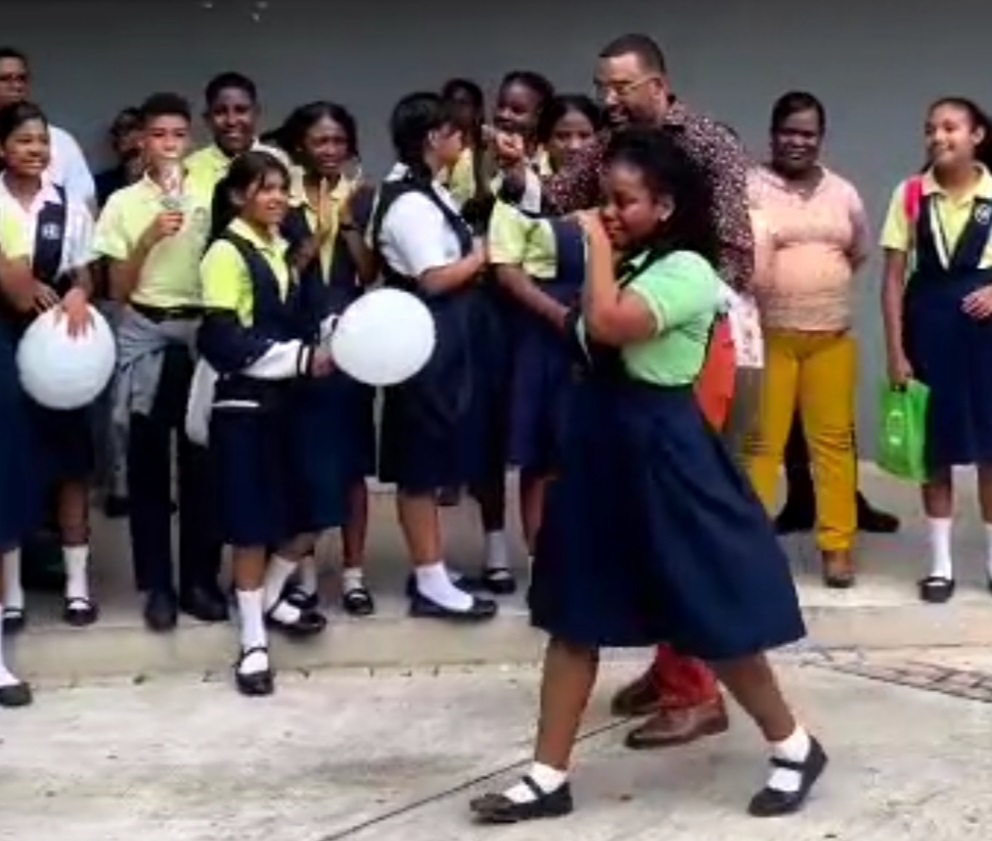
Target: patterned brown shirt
x=722, y=158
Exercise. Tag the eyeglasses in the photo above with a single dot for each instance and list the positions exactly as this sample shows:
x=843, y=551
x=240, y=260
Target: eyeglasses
x=621, y=90
x=14, y=78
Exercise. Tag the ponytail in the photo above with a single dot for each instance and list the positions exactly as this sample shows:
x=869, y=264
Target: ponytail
x=222, y=210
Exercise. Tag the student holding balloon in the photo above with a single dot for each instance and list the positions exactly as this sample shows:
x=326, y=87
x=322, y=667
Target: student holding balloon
x=325, y=226
x=51, y=234
x=433, y=427
x=259, y=337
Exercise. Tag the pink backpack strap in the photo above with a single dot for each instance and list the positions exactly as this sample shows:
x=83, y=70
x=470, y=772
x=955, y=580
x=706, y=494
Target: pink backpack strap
x=913, y=198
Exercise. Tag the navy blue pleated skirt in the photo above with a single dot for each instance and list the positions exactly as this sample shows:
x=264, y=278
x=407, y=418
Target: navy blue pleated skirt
x=65, y=443
x=651, y=534
x=20, y=490
x=263, y=498
x=951, y=353
x=334, y=445
x=435, y=431
x=542, y=368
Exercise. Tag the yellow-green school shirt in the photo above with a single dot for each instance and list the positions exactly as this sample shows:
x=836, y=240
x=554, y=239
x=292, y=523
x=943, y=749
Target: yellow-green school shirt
x=336, y=199
x=226, y=280
x=210, y=164
x=949, y=219
x=169, y=277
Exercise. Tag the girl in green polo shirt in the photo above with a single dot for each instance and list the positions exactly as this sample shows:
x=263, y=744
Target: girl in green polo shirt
x=650, y=533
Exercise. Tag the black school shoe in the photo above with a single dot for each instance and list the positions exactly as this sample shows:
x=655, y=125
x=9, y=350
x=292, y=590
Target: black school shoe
x=772, y=803
x=935, y=589
x=309, y=624
x=254, y=684
x=499, y=809
x=17, y=695
x=481, y=610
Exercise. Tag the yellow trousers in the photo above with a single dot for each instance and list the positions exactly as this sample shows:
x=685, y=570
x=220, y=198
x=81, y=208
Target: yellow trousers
x=816, y=373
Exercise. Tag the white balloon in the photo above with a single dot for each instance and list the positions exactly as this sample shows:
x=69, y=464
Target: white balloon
x=384, y=338
x=64, y=372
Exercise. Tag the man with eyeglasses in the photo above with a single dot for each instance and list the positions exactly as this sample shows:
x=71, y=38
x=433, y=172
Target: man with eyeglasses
x=68, y=166
x=680, y=694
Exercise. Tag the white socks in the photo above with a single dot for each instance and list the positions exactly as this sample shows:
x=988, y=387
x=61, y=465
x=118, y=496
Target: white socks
x=76, y=559
x=251, y=616
x=13, y=593
x=276, y=576
x=6, y=678
x=434, y=582
x=307, y=575
x=794, y=749
x=497, y=554
x=939, y=531
x=352, y=578
x=548, y=779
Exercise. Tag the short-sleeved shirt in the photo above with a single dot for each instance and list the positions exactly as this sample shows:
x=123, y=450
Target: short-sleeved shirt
x=19, y=227
x=336, y=198
x=415, y=236
x=951, y=215
x=682, y=291
x=170, y=275
x=68, y=167
x=210, y=164
x=518, y=239
x=226, y=280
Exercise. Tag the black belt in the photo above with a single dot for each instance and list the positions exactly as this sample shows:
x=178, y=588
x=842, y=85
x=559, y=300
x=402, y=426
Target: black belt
x=160, y=314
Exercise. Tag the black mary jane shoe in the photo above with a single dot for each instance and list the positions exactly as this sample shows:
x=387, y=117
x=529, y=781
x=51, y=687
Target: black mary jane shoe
x=498, y=581
x=772, y=803
x=934, y=589
x=79, y=612
x=15, y=695
x=358, y=601
x=295, y=595
x=499, y=809
x=14, y=620
x=254, y=684
x=462, y=582
x=308, y=624
x=481, y=610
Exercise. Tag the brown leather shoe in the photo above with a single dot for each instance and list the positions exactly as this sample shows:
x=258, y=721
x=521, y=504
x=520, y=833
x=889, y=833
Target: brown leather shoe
x=838, y=570
x=679, y=727
x=638, y=698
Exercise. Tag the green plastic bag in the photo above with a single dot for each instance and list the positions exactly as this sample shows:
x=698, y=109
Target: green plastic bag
x=902, y=430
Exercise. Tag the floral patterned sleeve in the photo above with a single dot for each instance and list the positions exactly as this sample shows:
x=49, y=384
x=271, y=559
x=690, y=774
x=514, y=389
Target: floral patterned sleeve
x=727, y=165
x=577, y=186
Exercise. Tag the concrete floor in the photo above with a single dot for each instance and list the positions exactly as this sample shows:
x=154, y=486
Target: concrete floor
x=341, y=755
x=134, y=735
x=883, y=609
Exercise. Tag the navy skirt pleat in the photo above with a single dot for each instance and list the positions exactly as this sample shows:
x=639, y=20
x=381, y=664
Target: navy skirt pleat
x=951, y=353
x=651, y=534
x=20, y=488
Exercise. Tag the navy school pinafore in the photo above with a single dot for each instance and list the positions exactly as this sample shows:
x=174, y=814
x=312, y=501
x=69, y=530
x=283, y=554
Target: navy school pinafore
x=542, y=362
x=65, y=438
x=434, y=431
x=258, y=464
x=950, y=351
x=333, y=416
x=651, y=534
x=20, y=494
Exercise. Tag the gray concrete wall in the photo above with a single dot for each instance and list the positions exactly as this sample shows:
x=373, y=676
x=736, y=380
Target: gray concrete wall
x=876, y=65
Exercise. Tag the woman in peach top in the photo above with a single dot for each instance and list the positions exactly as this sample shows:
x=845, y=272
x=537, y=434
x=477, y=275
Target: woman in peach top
x=819, y=239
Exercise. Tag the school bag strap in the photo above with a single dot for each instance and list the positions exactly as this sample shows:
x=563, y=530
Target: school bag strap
x=912, y=198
